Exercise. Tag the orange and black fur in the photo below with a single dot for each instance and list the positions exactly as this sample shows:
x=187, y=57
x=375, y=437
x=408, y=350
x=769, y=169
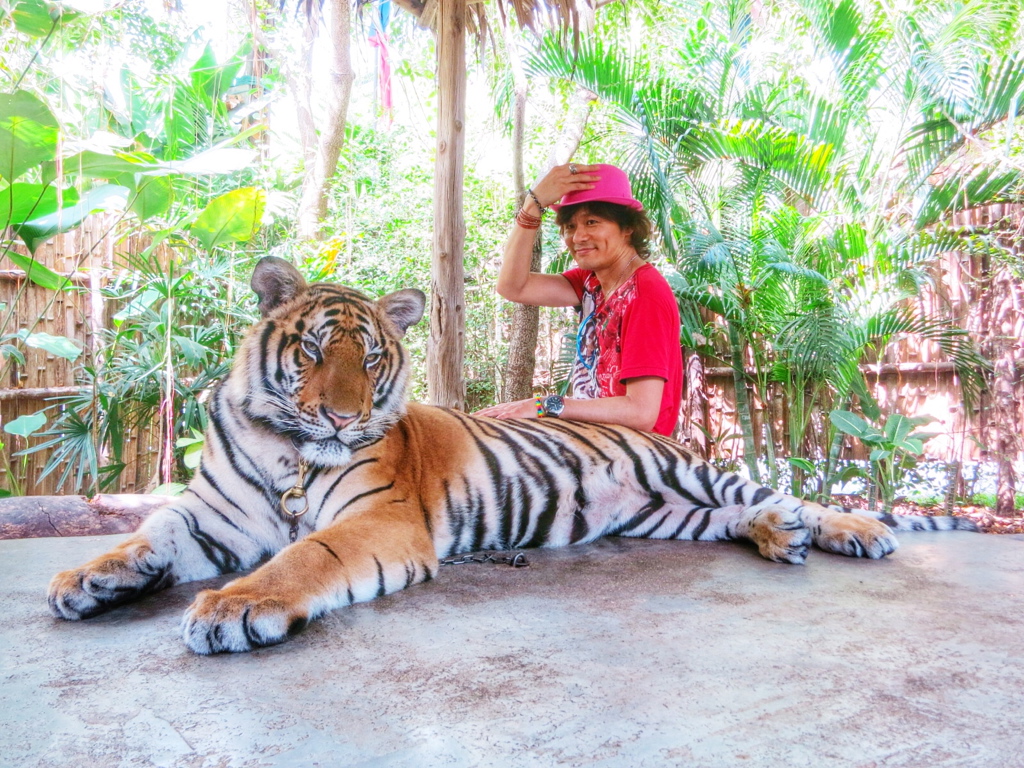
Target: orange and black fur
x=318, y=387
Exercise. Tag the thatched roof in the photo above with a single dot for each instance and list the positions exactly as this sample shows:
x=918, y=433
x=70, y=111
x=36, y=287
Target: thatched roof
x=536, y=15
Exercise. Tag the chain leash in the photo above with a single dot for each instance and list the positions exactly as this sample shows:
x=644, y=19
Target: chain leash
x=515, y=560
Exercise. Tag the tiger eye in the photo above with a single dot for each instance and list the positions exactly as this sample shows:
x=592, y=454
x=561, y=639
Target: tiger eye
x=311, y=349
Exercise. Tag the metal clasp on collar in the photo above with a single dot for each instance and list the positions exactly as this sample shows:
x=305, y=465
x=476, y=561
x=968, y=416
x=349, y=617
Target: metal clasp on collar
x=297, y=492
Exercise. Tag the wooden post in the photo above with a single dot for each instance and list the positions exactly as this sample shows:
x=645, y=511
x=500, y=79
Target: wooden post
x=445, y=382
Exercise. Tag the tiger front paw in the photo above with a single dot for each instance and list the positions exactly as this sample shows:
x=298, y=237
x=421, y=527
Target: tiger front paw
x=227, y=620
x=854, y=535
x=106, y=582
x=780, y=535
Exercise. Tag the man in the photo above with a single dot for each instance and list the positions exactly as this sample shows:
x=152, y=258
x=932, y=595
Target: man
x=628, y=368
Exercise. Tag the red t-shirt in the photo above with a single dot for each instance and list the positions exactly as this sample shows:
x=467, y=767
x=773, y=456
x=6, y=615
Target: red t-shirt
x=635, y=333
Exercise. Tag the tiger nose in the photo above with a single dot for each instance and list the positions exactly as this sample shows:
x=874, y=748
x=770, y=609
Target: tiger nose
x=338, y=420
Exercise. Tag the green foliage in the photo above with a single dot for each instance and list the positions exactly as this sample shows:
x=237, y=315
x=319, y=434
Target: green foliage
x=989, y=500
x=193, y=449
x=170, y=489
x=21, y=202
x=104, y=197
x=162, y=149
x=23, y=426
x=38, y=211
x=38, y=18
x=174, y=337
x=925, y=499
x=895, y=448
x=230, y=218
x=150, y=196
x=40, y=275
x=61, y=346
x=28, y=134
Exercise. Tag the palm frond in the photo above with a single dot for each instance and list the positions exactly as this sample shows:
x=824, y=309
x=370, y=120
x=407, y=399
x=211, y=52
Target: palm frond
x=945, y=73
x=699, y=295
x=624, y=81
x=854, y=44
x=984, y=187
x=799, y=164
x=878, y=330
x=795, y=270
x=933, y=142
x=814, y=344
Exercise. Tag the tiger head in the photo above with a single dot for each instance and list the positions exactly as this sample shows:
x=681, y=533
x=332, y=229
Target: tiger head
x=325, y=366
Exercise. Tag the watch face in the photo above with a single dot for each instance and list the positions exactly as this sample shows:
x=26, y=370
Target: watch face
x=553, y=406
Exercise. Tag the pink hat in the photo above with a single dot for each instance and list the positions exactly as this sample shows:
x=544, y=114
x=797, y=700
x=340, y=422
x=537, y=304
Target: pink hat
x=612, y=187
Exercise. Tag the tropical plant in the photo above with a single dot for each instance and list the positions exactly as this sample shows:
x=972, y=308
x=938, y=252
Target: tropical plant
x=34, y=205
x=895, y=448
x=174, y=337
x=802, y=199
x=21, y=429
x=165, y=150
x=377, y=238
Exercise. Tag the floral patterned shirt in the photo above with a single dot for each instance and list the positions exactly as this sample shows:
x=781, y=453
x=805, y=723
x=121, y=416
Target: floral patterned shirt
x=634, y=333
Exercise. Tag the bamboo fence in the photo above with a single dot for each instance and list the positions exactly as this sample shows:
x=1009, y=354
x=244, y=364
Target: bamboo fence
x=88, y=255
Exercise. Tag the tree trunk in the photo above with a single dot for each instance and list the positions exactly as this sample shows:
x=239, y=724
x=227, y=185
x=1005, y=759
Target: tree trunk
x=522, y=345
x=1008, y=352
x=1000, y=312
x=298, y=77
x=27, y=517
x=835, y=451
x=320, y=148
x=445, y=349
x=768, y=428
x=743, y=405
x=695, y=407
x=319, y=174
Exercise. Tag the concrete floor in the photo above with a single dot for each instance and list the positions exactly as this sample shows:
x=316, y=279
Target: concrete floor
x=623, y=653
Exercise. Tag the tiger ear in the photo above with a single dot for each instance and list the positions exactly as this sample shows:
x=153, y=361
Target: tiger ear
x=276, y=281
x=403, y=308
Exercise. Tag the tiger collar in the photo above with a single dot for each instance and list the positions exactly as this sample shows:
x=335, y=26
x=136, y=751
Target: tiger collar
x=297, y=493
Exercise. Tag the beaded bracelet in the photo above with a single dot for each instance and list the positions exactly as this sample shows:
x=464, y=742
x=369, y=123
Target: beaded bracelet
x=540, y=407
x=531, y=193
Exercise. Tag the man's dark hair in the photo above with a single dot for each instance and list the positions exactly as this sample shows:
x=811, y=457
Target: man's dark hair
x=626, y=218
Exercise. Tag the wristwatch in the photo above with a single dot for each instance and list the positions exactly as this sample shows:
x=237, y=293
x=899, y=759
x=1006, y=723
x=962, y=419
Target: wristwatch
x=553, y=406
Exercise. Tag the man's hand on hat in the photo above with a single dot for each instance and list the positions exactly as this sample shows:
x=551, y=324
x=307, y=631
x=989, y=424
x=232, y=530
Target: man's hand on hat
x=562, y=179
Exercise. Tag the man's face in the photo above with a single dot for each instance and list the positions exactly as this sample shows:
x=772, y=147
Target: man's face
x=594, y=242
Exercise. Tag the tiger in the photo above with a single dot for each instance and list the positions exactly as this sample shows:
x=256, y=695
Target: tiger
x=316, y=469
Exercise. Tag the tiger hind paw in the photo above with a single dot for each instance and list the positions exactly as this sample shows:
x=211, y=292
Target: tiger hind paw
x=852, y=534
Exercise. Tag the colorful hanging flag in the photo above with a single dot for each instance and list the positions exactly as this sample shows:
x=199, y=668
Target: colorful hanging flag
x=379, y=40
